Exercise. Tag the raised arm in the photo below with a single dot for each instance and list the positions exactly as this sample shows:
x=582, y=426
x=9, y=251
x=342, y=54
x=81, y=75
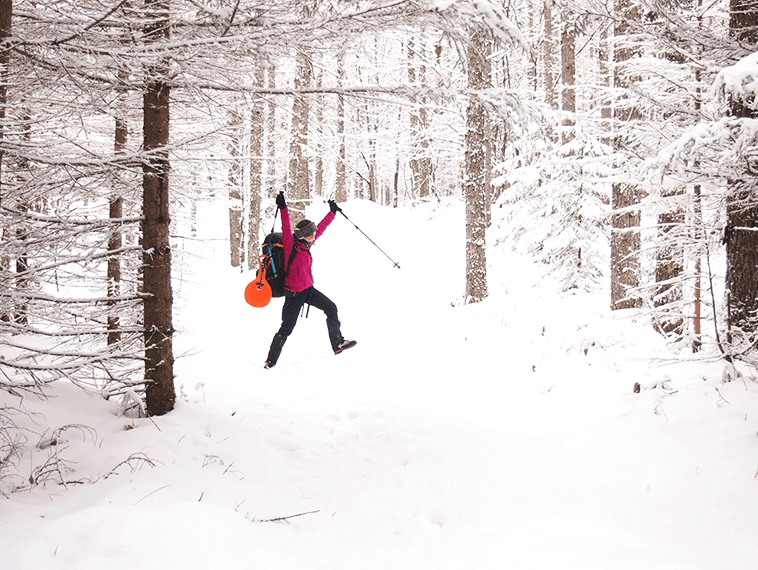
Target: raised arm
x=287, y=240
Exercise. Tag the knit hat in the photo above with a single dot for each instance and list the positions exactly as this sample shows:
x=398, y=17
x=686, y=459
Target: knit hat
x=305, y=228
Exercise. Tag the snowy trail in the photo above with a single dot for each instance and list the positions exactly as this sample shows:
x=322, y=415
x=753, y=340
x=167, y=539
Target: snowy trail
x=498, y=435
x=489, y=419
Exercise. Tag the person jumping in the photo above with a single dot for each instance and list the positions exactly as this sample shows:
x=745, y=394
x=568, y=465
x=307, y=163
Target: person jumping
x=299, y=288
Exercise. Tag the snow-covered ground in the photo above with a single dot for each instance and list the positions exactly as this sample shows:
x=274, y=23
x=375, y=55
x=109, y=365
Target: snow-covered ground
x=504, y=434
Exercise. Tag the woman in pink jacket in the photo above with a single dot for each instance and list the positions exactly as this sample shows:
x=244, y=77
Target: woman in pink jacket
x=299, y=288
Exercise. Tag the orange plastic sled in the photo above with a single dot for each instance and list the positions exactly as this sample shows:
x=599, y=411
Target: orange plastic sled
x=258, y=292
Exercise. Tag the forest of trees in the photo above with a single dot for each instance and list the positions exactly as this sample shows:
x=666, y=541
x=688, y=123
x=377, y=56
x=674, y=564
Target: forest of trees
x=592, y=135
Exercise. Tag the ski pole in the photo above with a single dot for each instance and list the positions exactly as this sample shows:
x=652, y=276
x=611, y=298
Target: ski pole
x=395, y=263
x=276, y=213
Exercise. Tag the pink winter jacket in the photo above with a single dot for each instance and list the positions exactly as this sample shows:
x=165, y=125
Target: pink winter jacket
x=300, y=276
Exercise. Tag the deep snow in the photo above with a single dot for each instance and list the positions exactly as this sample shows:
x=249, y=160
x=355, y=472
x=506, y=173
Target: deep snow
x=504, y=434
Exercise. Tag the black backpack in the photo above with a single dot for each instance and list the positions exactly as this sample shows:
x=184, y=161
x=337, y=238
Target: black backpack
x=276, y=275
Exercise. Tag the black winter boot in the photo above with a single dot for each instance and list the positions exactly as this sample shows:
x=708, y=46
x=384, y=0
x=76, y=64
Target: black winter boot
x=344, y=345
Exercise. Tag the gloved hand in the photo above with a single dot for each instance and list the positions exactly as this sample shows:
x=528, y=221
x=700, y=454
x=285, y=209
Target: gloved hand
x=333, y=206
x=281, y=203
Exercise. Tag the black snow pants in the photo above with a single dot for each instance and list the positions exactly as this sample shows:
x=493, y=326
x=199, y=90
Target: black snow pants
x=292, y=306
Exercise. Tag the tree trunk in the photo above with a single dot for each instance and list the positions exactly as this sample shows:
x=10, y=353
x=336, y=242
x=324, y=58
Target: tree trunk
x=116, y=213
x=531, y=72
x=568, y=76
x=115, y=240
x=476, y=182
x=396, y=183
x=699, y=233
x=298, y=185
x=741, y=235
x=318, y=167
x=373, y=186
x=549, y=54
x=6, y=21
x=668, y=269
x=625, y=247
x=156, y=271
x=698, y=238
x=420, y=162
x=426, y=168
x=625, y=233
x=743, y=20
x=236, y=191
x=257, y=190
x=742, y=256
x=341, y=170
x=21, y=315
x=606, y=111
x=670, y=255
x=272, y=183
